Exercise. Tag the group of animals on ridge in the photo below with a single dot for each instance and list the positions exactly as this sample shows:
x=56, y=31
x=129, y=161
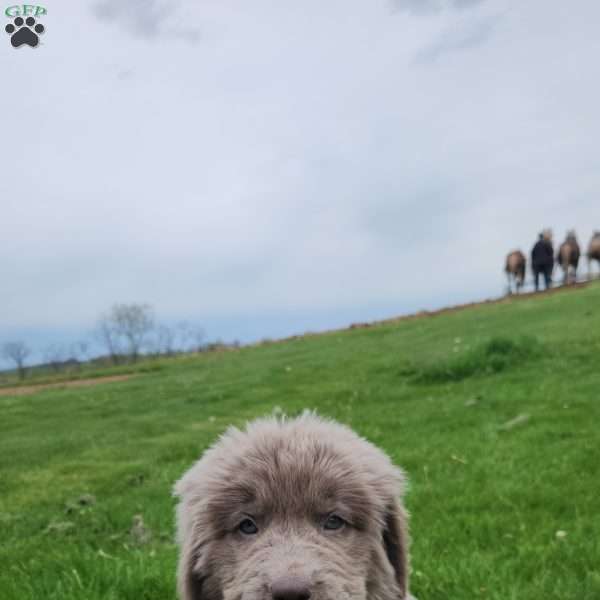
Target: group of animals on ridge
x=543, y=260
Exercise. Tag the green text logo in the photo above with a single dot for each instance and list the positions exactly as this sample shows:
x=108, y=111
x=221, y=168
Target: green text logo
x=25, y=10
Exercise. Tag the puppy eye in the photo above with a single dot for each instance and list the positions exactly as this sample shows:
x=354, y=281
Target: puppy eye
x=248, y=527
x=333, y=523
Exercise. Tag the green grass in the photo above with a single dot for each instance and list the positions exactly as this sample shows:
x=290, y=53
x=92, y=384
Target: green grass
x=494, y=412
x=492, y=356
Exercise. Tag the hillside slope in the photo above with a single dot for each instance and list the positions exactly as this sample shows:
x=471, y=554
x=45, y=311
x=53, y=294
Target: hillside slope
x=493, y=412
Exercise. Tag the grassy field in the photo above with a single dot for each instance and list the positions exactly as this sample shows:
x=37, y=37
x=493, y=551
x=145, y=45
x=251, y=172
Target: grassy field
x=493, y=411
x=86, y=370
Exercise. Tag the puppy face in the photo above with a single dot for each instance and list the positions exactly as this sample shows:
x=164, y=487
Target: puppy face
x=292, y=510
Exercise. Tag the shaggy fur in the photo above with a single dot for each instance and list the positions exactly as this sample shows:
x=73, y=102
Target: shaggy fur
x=289, y=476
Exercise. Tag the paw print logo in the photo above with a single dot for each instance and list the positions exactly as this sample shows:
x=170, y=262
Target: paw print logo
x=24, y=31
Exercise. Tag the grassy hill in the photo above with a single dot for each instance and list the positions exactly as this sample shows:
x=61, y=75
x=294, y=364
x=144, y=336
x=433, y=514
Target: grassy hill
x=493, y=411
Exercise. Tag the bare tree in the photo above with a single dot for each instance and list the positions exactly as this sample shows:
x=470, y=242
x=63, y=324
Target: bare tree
x=190, y=337
x=17, y=352
x=108, y=337
x=133, y=322
x=165, y=340
x=181, y=337
x=196, y=338
x=55, y=356
x=125, y=329
x=79, y=351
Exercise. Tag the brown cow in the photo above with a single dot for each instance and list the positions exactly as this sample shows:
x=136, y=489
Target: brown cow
x=568, y=257
x=516, y=264
x=594, y=251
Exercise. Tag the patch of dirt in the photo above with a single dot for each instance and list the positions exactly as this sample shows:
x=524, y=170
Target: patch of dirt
x=25, y=390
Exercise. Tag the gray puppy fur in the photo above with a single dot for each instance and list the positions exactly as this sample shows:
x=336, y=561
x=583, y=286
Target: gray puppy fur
x=292, y=509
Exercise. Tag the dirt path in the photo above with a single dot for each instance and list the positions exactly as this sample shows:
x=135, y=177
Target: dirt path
x=24, y=390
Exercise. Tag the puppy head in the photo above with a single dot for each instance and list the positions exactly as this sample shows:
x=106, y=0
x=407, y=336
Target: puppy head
x=292, y=510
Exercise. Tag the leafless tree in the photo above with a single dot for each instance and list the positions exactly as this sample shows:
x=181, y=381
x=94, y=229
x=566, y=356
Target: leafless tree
x=190, y=337
x=196, y=337
x=165, y=340
x=108, y=337
x=80, y=350
x=181, y=337
x=55, y=356
x=133, y=322
x=125, y=329
x=17, y=352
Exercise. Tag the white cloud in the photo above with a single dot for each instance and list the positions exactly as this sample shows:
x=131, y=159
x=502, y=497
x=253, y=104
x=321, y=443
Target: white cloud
x=425, y=7
x=461, y=37
x=147, y=19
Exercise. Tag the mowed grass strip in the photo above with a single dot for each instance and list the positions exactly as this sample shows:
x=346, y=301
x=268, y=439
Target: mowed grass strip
x=493, y=411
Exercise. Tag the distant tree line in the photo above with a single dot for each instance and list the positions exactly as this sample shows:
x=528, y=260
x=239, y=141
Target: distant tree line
x=128, y=330
x=125, y=333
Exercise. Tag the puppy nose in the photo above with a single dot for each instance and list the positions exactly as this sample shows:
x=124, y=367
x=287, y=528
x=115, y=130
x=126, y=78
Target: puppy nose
x=290, y=588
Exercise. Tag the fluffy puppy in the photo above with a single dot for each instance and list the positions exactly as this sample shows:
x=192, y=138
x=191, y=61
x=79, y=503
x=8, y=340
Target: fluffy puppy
x=292, y=509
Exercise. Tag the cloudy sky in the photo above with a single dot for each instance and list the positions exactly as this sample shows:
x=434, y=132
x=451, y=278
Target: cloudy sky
x=266, y=168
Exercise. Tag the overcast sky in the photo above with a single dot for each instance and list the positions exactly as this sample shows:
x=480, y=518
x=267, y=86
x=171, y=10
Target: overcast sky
x=265, y=168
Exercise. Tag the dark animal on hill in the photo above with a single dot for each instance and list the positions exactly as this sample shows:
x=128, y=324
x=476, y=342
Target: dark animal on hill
x=594, y=251
x=568, y=257
x=515, y=267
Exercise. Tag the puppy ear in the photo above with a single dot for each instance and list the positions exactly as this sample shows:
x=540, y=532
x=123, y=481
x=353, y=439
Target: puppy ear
x=189, y=580
x=194, y=581
x=395, y=542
